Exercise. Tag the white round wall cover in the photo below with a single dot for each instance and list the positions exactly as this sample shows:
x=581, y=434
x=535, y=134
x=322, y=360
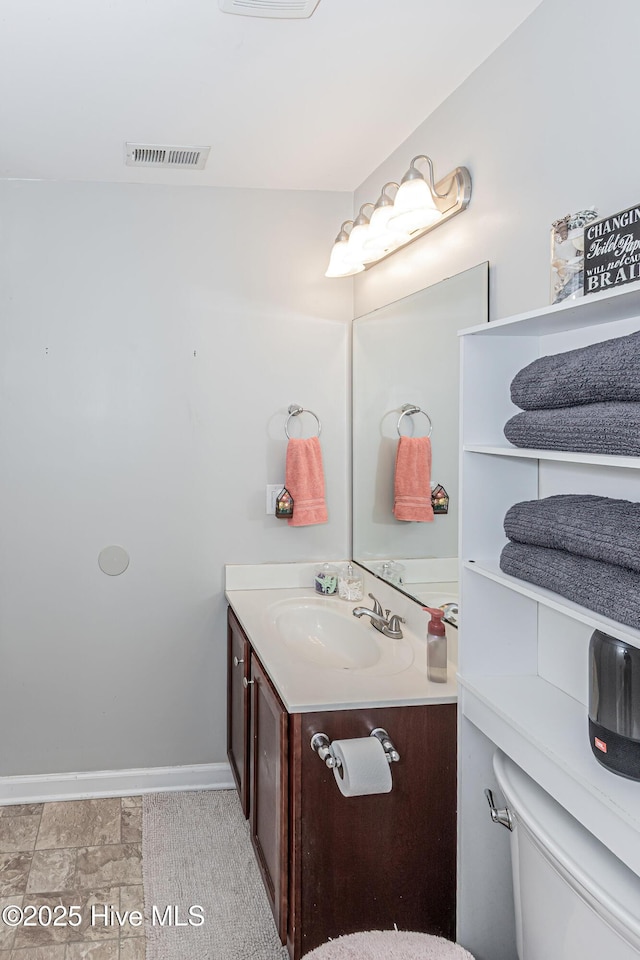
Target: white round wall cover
x=113, y=560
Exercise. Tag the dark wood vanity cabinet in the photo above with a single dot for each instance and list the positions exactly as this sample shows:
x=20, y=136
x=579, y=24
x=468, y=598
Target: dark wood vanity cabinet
x=257, y=748
x=238, y=666
x=332, y=864
x=269, y=791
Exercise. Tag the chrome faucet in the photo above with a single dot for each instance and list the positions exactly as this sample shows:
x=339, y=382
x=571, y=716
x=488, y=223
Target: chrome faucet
x=386, y=623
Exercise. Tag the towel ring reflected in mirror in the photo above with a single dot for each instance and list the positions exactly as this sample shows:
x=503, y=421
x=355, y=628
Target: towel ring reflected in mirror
x=408, y=410
x=294, y=411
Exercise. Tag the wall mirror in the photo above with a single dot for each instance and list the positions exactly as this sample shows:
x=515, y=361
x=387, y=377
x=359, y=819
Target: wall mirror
x=407, y=353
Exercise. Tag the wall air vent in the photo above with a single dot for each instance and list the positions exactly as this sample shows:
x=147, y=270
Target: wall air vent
x=154, y=155
x=276, y=9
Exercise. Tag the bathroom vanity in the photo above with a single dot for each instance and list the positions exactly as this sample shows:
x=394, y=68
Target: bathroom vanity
x=332, y=864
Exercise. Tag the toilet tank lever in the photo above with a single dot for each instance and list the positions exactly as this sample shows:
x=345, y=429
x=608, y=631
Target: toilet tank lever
x=502, y=816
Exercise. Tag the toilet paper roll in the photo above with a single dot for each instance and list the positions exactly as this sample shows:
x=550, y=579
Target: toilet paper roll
x=365, y=768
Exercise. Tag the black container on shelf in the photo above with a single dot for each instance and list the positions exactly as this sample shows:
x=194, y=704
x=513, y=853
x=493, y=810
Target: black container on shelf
x=614, y=704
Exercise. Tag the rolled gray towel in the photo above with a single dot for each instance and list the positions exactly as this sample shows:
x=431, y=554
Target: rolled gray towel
x=602, y=371
x=597, y=527
x=612, y=591
x=592, y=428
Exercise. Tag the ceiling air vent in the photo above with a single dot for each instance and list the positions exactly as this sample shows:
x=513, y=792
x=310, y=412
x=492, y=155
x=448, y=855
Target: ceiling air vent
x=154, y=155
x=277, y=9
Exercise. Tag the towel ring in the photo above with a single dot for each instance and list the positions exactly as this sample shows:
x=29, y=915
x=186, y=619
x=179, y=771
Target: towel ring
x=408, y=410
x=294, y=411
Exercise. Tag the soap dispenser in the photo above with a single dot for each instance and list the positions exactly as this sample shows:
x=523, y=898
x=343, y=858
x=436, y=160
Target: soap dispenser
x=436, y=646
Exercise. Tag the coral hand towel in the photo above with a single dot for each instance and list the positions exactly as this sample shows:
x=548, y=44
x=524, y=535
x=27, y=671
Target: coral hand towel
x=304, y=479
x=413, y=480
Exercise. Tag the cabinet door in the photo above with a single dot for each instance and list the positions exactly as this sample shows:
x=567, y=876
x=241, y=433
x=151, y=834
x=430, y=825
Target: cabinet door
x=238, y=708
x=269, y=791
x=367, y=863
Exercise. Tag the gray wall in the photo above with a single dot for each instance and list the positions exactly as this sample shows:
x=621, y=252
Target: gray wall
x=546, y=127
x=112, y=431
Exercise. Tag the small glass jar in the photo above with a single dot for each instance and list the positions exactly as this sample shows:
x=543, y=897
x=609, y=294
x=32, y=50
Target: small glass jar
x=392, y=571
x=350, y=584
x=326, y=580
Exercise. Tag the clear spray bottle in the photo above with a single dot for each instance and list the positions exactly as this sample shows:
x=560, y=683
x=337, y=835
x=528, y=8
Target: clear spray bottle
x=436, y=646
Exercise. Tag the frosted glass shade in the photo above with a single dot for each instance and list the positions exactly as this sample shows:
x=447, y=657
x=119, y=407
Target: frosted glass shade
x=381, y=239
x=380, y=220
x=414, y=207
x=357, y=239
x=341, y=263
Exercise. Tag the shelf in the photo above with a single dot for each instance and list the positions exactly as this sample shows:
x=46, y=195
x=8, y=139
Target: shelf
x=565, y=456
x=620, y=304
x=547, y=730
x=540, y=643
x=553, y=600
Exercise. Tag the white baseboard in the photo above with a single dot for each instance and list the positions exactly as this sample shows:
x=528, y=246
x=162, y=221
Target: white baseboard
x=114, y=783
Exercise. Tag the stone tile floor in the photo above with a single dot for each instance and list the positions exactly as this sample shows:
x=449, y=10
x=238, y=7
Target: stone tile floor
x=80, y=853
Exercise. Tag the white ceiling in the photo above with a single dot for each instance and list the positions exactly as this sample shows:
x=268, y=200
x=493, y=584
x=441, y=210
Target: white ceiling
x=303, y=104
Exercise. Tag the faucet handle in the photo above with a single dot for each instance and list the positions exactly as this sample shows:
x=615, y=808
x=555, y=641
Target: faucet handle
x=377, y=606
x=394, y=623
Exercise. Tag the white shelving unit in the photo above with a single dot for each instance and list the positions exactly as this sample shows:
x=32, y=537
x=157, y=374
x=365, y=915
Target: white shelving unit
x=523, y=650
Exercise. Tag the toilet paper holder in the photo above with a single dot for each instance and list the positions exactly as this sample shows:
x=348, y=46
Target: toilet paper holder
x=322, y=745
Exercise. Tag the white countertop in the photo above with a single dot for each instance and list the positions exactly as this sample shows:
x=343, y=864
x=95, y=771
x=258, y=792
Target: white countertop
x=304, y=687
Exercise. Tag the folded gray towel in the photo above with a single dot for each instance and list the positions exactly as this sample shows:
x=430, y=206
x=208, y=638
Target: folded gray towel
x=596, y=527
x=592, y=428
x=602, y=371
x=612, y=591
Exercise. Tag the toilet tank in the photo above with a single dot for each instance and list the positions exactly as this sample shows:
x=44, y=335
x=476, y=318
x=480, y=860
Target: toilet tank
x=574, y=899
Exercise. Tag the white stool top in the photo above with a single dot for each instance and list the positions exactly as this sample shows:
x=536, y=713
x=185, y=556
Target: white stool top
x=389, y=945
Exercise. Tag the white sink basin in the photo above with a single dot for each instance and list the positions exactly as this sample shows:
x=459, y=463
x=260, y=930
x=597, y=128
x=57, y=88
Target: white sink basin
x=330, y=637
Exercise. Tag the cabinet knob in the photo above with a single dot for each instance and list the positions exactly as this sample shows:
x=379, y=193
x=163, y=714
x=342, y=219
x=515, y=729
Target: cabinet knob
x=237, y=662
x=246, y=682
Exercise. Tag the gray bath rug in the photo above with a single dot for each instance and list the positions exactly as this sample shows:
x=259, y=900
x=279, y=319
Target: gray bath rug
x=196, y=851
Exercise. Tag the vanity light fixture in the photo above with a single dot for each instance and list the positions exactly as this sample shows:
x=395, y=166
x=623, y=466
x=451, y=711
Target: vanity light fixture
x=419, y=205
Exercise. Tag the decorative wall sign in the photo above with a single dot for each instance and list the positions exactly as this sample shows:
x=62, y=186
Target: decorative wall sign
x=567, y=249
x=612, y=251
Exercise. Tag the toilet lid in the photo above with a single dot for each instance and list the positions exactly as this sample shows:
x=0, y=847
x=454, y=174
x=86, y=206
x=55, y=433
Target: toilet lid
x=612, y=889
x=389, y=945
